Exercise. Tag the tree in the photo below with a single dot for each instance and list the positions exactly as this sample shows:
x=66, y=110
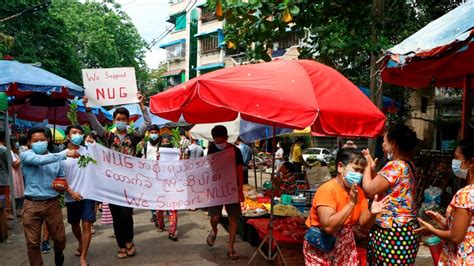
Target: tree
x=155, y=83
x=71, y=35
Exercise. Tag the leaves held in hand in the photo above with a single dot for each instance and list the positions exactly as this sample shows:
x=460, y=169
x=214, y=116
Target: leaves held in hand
x=85, y=160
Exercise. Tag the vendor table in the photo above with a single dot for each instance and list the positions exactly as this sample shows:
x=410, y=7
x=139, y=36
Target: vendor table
x=261, y=225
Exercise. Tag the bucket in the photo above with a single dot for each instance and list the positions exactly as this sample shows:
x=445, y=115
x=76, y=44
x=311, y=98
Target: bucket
x=286, y=199
x=436, y=247
x=362, y=255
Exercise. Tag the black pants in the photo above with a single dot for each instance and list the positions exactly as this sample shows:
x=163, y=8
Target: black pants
x=123, y=224
x=245, y=169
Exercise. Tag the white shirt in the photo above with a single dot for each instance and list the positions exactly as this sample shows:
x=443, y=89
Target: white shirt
x=151, y=151
x=195, y=151
x=75, y=175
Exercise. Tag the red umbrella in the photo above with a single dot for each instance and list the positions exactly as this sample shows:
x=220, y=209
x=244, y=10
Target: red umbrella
x=294, y=94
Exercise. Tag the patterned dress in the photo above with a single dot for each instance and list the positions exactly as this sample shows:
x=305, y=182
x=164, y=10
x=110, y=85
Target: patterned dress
x=391, y=240
x=463, y=254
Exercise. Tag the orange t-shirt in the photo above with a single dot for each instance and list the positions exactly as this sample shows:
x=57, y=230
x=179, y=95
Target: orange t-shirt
x=333, y=195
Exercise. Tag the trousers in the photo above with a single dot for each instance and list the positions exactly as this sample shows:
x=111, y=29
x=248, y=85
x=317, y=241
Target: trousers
x=123, y=224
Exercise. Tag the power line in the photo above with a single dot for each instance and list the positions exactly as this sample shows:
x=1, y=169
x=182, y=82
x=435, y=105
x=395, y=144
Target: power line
x=170, y=29
x=28, y=10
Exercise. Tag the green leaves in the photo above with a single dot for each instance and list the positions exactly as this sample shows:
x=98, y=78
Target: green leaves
x=85, y=160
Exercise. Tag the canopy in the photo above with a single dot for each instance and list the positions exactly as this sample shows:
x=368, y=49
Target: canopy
x=287, y=94
x=442, y=51
x=18, y=79
x=247, y=131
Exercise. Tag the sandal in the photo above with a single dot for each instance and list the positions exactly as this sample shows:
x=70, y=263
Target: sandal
x=211, y=238
x=78, y=253
x=134, y=250
x=232, y=255
x=160, y=230
x=122, y=255
x=173, y=237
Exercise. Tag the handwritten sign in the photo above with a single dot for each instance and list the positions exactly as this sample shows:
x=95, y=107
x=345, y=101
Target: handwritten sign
x=162, y=185
x=110, y=86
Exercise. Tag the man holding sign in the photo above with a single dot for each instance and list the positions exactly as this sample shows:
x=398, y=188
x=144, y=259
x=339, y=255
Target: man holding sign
x=124, y=142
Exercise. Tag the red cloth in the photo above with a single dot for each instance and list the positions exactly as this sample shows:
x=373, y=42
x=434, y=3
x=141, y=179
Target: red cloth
x=261, y=225
x=295, y=94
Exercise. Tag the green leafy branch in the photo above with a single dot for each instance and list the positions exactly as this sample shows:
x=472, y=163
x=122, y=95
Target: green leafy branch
x=85, y=160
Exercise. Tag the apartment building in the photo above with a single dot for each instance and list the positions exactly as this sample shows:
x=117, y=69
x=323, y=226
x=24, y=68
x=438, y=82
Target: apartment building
x=195, y=44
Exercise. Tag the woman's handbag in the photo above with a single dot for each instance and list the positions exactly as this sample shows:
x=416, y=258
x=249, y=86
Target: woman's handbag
x=320, y=239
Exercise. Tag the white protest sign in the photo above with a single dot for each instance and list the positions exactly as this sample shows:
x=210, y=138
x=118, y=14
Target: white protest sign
x=110, y=86
x=161, y=185
x=168, y=154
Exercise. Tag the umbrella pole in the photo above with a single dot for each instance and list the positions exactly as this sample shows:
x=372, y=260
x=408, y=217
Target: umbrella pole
x=254, y=165
x=10, y=171
x=54, y=126
x=271, y=240
x=466, y=106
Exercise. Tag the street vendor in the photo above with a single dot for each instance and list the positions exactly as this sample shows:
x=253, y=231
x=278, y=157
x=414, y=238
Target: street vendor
x=338, y=205
x=285, y=182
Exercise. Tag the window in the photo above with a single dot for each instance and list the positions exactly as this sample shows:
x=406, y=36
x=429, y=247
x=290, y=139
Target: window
x=180, y=22
x=424, y=104
x=207, y=15
x=210, y=44
x=290, y=40
x=326, y=152
x=177, y=51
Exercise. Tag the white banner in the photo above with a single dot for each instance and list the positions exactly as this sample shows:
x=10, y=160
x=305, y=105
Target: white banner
x=161, y=185
x=110, y=86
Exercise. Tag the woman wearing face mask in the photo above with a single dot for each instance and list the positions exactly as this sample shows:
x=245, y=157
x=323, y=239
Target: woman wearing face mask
x=391, y=240
x=338, y=205
x=457, y=228
x=285, y=182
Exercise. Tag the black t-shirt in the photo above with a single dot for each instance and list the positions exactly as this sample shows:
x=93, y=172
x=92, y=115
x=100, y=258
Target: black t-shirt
x=238, y=155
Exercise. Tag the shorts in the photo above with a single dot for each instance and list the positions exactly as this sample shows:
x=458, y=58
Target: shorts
x=233, y=210
x=81, y=210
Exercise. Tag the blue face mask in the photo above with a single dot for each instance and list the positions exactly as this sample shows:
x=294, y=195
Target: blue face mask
x=39, y=147
x=121, y=126
x=353, y=178
x=457, y=170
x=221, y=146
x=77, y=139
x=153, y=137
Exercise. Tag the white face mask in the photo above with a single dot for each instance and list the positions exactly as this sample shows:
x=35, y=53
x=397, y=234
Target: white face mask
x=457, y=170
x=221, y=146
x=390, y=156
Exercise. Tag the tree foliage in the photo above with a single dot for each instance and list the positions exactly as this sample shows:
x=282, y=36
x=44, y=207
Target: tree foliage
x=70, y=36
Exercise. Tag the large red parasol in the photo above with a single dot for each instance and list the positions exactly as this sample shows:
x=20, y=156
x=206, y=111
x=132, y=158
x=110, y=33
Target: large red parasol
x=294, y=94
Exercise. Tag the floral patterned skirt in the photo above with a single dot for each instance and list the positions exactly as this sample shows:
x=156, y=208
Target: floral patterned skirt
x=343, y=253
x=397, y=245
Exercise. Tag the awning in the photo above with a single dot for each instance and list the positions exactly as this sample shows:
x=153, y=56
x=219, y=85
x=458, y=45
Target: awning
x=172, y=73
x=164, y=45
x=172, y=17
x=208, y=33
x=210, y=66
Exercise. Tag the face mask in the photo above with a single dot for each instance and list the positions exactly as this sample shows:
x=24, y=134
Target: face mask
x=221, y=146
x=17, y=145
x=77, y=139
x=456, y=166
x=153, y=137
x=353, y=178
x=390, y=156
x=121, y=126
x=39, y=147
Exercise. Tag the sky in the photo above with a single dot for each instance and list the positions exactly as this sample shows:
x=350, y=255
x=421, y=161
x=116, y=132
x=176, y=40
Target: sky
x=149, y=16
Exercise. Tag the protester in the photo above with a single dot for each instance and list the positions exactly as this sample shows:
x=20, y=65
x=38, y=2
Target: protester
x=78, y=208
x=278, y=156
x=349, y=144
x=338, y=206
x=393, y=229
x=4, y=185
x=246, y=157
x=457, y=228
x=285, y=182
x=18, y=183
x=23, y=141
x=296, y=156
x=184, y=146
x=195, y=150
x=40, y=168
x=219, y=134
x=160, y=214
x=124, y=142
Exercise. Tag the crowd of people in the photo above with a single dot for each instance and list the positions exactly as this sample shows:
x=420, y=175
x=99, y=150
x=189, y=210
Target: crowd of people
x=380, y=204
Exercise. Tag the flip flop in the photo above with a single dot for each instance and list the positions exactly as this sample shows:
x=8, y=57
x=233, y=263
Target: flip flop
x=232, y=255
x=78, y=253
x=134, y=250
x=211, y=238
x=122, y=255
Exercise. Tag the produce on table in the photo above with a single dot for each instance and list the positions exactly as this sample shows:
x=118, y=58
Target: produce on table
x=286, y=210
x=293, y=227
